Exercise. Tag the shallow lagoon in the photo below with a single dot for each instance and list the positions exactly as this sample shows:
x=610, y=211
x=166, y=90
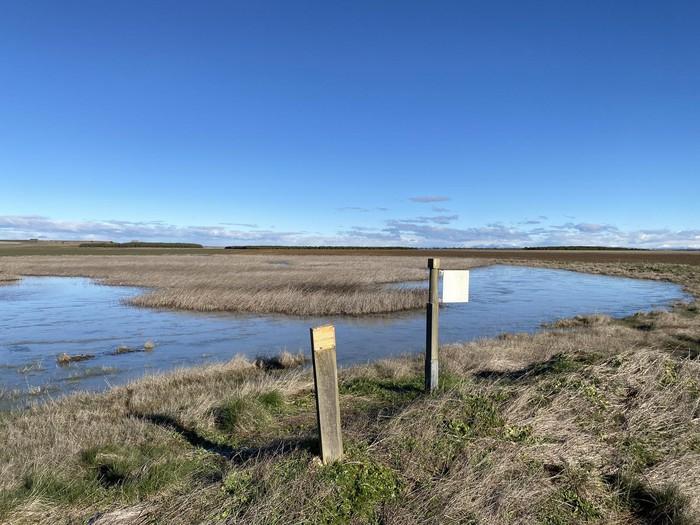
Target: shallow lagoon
x=42, y=317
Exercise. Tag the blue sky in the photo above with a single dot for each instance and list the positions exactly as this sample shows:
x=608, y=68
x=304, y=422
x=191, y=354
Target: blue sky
x=367, y=123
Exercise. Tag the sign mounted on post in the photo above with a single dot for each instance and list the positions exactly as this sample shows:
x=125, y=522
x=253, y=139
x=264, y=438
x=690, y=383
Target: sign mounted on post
x=455, y=286
x=455, y=289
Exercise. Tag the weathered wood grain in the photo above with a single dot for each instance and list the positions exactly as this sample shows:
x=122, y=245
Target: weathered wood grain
x=327, y=399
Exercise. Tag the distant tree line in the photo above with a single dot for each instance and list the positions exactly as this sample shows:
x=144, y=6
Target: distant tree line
x=280, y=247
x=591, y=248
x=139, y=244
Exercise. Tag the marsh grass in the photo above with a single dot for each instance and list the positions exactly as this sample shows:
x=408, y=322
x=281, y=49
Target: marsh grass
x=282, y=360
x=8, y=278
x=65, y=359
x=123, y=349
x=302, y=285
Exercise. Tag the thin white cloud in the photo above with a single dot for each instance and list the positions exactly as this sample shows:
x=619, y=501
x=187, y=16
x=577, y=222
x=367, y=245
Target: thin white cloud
x=429, y=198
x=244, y=224
x=361, y=209
x=436, y=219
x=537, y=220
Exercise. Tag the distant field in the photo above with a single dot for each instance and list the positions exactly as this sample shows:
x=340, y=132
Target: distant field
x=74, y=248
x=558, y=255
x=591, y=256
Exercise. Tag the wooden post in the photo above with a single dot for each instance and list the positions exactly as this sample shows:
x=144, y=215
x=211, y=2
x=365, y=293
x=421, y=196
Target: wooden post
x=327, y=399
x=431, y=332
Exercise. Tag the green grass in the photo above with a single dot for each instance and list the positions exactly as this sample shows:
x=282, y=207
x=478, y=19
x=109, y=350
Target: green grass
x=383, y=389
x=135, y=472
x=478, y=416
x=239, y=486
x=640, y=454
x=360, y=485
x=567, y=506
x=249, y=413
x=114, y=472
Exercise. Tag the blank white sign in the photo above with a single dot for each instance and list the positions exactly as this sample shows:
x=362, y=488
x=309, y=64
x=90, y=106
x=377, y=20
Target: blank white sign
x=455, y=286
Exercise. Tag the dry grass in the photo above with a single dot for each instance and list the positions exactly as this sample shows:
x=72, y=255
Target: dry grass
x=295, y=285
x=8, y=278
x=596, y=422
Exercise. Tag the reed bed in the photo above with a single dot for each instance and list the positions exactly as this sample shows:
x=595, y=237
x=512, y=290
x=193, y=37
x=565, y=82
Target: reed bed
x=297, y=285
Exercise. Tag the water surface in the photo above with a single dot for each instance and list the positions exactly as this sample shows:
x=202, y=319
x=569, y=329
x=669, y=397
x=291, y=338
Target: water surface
x=42, y=317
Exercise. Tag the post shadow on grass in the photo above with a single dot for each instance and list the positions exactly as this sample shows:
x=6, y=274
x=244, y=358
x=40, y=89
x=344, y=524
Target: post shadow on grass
x=683, y=346
x=556, y=364
x=237, y=455
x=370, y=386
x=404, y=390
x=651, y=505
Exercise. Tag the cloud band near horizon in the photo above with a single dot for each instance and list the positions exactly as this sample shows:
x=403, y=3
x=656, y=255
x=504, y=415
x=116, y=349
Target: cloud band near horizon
x=423, y=231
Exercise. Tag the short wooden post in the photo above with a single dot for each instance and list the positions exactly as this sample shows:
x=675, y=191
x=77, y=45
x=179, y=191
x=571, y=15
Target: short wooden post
x=327, y=400
x=431, y=332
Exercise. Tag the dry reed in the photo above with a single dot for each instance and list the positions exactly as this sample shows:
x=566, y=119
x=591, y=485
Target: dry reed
x=298, y=285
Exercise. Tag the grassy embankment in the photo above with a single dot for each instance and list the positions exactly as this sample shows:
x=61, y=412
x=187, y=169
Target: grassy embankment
x=593, y=421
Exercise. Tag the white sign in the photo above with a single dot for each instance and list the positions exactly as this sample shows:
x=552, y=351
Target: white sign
x=455, y=286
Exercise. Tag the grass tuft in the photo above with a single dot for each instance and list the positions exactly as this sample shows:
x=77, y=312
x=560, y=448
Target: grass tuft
x=248, y=413
x=282, y=361
x=360, y=487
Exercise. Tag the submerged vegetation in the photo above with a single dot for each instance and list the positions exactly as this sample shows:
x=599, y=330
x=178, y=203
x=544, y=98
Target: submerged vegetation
x=65, y=359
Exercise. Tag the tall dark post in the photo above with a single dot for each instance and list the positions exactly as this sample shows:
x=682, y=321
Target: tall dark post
x=431, y=333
